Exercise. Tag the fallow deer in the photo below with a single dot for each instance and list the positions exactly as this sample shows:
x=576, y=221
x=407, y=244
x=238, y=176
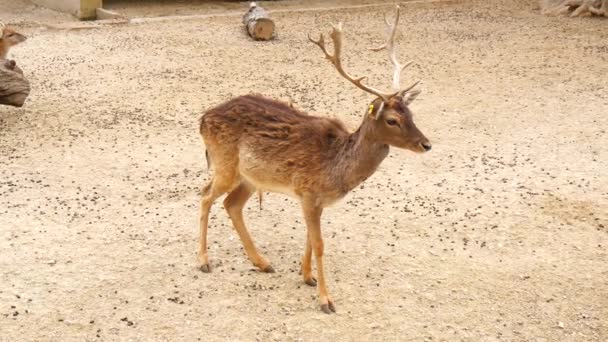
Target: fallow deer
x=8, y=39
x=255, y=143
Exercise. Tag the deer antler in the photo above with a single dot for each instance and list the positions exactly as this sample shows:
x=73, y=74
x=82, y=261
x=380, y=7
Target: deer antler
x=392, y=53
x=336, y=37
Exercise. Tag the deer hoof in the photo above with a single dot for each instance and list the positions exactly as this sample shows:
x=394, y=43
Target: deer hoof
x=328, y=308
x=311, y=282
x=205, y=268
x=268, y=269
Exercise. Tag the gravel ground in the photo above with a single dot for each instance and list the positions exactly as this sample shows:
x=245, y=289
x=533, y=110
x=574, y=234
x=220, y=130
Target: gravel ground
x=26, y=13
x=500, y=233
x=147, y=8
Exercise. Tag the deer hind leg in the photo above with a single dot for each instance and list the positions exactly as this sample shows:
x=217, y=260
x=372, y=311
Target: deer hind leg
x=234, y=203
x=312, y=215
x=306, y=269
x=214, y=189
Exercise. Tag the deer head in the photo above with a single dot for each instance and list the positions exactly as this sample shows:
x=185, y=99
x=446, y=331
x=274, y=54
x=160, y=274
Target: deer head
x=388, y=115
x=9, y=37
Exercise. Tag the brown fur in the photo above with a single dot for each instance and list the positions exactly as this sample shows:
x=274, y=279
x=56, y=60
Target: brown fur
x=8, y=39
x=269, y=129
x=256, y=143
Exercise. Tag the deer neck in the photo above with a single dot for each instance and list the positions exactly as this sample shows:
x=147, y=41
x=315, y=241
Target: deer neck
x=360, y=156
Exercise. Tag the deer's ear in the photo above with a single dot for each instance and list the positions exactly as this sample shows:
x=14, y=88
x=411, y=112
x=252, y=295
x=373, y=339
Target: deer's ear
x=375, y=110
x=410, y=96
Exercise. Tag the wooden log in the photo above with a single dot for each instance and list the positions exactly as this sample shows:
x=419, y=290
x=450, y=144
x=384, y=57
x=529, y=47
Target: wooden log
x=14, y=88
x=258, y=23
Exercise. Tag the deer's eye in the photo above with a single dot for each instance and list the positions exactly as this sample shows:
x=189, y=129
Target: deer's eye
x=392, y=122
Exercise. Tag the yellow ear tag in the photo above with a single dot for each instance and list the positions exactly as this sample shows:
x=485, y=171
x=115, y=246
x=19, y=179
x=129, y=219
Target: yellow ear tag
x=371, y=109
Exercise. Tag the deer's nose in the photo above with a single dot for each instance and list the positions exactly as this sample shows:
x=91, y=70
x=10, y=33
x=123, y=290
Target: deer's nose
x=426, y=146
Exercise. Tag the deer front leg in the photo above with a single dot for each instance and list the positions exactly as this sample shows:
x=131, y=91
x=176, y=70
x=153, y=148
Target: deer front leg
x=312, y=215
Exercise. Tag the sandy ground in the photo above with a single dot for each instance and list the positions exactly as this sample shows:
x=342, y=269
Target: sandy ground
x=501, y=233
x=147, y=8
x=26, y=13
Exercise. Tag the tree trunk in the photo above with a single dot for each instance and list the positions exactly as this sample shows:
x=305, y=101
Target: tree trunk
x=14, y=88
x=258, y=23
